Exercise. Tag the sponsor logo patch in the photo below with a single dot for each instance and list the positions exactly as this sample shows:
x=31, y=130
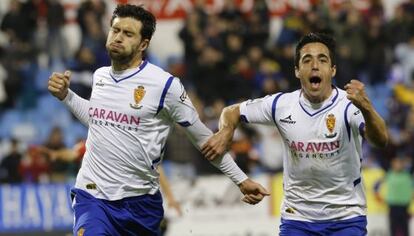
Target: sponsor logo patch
x=288, y=120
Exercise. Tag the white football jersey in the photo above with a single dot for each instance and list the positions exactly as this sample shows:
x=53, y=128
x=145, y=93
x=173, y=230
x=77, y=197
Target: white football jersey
x=128, y=128
x=130, y=115
x=322, y=161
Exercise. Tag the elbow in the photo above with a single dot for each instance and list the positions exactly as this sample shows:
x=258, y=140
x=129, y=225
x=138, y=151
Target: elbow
x=382, y=141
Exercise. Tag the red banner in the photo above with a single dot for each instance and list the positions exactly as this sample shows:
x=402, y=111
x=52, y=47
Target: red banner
x=167, y=9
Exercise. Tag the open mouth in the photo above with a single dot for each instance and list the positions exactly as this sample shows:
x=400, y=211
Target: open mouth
x=315, y=82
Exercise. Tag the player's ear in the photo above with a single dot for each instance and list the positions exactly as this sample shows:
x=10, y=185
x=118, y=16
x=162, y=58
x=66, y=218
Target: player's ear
x=333, y=68
x=297, y=73
x=144, y=45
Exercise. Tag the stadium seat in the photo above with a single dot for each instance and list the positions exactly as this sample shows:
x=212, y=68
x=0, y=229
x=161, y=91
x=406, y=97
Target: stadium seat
x=42, y=76
x=9, y=119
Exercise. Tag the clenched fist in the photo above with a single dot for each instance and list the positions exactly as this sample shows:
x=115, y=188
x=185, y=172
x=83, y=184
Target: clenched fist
x=58, y=84
x=355, y=90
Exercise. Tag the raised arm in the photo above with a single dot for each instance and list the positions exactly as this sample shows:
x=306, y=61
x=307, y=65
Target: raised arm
x=375, y=129
x=58, y=86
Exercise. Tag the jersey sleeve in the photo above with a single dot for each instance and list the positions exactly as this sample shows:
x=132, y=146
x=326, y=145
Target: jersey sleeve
x=198, y=134
x=356, y=120
x=260, y=110
x=179, y=105
x=78, y=106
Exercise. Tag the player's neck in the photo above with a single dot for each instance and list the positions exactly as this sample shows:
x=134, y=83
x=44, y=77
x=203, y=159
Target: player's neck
x=121, y=65
x=319, y=99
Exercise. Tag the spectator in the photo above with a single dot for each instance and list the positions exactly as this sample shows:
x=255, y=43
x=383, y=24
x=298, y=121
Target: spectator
x=398, y=197
x=9, y=166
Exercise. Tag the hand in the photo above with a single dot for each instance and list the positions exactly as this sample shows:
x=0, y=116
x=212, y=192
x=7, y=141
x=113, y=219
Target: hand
x=253, y=192
x=176, y=206
x=217, y=145
x=356, y=93
x=58, y=84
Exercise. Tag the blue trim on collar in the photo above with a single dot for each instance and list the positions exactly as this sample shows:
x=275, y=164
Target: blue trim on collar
x=129, y=76
x=319, y=111
x=164, y=93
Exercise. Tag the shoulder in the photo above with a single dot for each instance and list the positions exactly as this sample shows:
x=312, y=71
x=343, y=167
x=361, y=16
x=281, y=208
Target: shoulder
x=344, y=102
x=102, y=70
x=157, y=73
x=286, y=99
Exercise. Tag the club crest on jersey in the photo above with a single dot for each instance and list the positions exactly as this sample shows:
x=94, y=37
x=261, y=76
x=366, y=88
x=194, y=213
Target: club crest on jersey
x=330, y=124
x=139, y=94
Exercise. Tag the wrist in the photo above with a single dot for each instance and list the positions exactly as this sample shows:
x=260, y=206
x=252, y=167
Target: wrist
x=243, y=183
x=64, y=95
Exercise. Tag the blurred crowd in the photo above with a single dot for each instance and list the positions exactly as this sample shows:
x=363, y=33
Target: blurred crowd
x=228, y=57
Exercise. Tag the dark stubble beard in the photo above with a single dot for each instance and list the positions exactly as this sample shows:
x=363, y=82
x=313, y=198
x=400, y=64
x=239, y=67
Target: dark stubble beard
x=121, y=58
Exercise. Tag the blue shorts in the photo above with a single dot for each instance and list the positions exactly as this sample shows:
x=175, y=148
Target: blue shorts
x=351, y=227
x=140, y=216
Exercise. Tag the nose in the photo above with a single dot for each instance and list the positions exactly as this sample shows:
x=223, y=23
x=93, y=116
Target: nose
x=315, y=65
x=118, y=38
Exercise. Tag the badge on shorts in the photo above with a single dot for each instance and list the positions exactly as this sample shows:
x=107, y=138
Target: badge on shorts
x=330, y=124
x=139, y=94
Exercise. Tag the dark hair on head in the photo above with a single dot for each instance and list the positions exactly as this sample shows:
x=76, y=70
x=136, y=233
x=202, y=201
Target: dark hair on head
x=139, y=13
x=325, y=39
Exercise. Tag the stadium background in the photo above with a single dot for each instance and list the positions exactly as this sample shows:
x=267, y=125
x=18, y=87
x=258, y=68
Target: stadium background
x=223, y=53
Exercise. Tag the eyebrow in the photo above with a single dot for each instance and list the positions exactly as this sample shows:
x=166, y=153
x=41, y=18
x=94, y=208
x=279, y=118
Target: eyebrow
x=320, y=55
x=126, y=30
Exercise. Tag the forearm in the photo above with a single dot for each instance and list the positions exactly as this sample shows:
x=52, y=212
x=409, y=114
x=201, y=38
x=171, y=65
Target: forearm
x=227, y=165
x=199, y=134
x=164, y=184
x=229, y=120
x=375, y=127
x=78, y=106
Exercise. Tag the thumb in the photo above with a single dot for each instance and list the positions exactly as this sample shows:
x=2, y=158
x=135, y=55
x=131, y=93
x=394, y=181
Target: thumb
x=67, y=74
x=263, y=191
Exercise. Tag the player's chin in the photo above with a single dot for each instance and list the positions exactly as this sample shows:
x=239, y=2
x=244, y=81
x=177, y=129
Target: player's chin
x=116, y=55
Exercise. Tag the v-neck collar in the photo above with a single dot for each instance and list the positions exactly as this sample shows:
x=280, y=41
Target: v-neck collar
x=313, y=109
x=120, y=76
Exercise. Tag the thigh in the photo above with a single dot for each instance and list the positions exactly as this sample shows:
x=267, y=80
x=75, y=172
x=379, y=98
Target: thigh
x=90, y=218
x=145, y=215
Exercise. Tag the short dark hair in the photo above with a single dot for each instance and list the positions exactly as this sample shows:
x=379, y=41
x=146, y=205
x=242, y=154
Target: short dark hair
x=325, y=39
x=139, y=13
